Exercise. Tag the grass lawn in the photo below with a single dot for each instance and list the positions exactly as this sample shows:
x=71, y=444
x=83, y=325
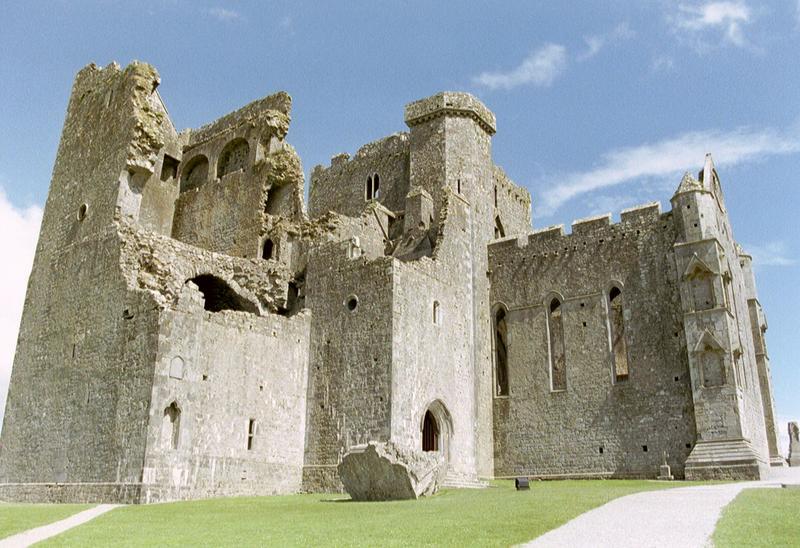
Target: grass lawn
x=761, y=517
x=15, y=518
x=495, y=516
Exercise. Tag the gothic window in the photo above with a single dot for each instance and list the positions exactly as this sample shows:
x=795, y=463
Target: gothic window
x=501, y=352
x=372, y=190
x=616, y=323
x=233, y=157
x=558, y=363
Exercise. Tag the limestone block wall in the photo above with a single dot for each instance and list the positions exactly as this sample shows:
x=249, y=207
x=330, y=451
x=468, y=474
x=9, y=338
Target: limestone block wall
x=597, y=426
x=76, y=410
x=342, y=187
x=239, y=382
x=432, y=362
x=349, y=394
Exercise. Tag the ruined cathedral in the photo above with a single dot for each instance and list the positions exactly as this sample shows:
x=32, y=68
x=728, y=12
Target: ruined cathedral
x=193, y=329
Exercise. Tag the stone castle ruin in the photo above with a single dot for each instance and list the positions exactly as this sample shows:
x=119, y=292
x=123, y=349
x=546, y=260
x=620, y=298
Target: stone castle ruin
x=193, y=329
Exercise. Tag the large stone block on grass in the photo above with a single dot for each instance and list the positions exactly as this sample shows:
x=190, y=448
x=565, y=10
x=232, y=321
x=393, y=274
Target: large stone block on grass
x=383, y=471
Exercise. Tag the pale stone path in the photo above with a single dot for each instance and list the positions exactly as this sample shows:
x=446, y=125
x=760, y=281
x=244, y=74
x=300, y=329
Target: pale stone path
x=32, y=536
x=683, y=517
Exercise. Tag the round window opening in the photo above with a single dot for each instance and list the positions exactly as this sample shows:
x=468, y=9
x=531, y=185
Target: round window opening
x=82, y=211
x=352, y=302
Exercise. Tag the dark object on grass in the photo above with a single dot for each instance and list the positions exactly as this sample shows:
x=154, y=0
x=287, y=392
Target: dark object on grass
x=522, y=484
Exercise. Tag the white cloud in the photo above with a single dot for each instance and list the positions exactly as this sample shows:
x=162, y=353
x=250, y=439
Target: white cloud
x=596, y=42
x=668, y=158
x=728, y=17
x=540, y=68
x=662, y=63
x=770, y=254
x=224, y=14
x=21, y=227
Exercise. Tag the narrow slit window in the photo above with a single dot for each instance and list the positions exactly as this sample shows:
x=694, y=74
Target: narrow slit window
x=616, y=324
x=251, y=433
x=558, y=362
x=437, y=313
x=501, y=352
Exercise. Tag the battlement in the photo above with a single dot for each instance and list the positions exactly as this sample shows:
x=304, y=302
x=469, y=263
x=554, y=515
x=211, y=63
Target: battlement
x=450, y=103
x=599, y=227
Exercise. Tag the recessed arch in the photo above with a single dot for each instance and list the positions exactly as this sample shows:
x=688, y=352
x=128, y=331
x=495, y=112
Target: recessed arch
x=194, y=173
x=233, y=157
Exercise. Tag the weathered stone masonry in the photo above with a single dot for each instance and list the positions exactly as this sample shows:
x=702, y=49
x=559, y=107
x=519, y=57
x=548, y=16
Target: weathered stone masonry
x=190, y=330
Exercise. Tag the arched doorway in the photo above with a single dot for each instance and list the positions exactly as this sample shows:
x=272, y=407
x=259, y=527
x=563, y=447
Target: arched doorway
x=436, y=429
x=430, y=433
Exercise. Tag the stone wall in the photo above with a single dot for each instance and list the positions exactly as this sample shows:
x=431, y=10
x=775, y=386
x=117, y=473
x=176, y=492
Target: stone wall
x=341, y=187
x=80, y=385
x=597, y=426
x=349, y=394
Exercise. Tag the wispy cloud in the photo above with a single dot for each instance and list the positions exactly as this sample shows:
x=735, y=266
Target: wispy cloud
x=668, y=158
x=725, y=17
x=596, y=42
x=770, y=254
x=17, y=252
x=662, y=63
x=224, y=14
x=540, y=68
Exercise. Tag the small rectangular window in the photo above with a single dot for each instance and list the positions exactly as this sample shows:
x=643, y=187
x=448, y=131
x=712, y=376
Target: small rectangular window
x=169, y=168
x=251, y=433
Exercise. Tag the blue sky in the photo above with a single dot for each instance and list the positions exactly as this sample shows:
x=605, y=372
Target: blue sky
x=600, y=105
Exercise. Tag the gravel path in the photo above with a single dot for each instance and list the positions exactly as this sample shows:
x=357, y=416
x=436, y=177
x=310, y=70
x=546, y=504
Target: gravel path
x=32, y=536
x=682, y=517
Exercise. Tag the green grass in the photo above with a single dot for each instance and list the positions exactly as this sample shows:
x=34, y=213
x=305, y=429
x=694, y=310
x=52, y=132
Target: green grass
x=495, y=516
x=761, y=517
x=15, y=518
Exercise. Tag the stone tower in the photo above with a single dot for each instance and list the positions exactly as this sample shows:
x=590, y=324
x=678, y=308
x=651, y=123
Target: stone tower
x=726, y=390
x=451, y=158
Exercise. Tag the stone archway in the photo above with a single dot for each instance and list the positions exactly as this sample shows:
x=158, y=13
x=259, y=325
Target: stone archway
x=436, y=429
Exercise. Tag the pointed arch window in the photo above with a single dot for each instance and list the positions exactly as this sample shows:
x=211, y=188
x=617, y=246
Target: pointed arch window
x=616, y=328
x=558, y=362
x=372, y=190
x=501, y=352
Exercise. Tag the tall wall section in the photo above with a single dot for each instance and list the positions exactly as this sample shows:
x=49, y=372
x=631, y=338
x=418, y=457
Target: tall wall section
x=76, y=416
x=599, y=422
